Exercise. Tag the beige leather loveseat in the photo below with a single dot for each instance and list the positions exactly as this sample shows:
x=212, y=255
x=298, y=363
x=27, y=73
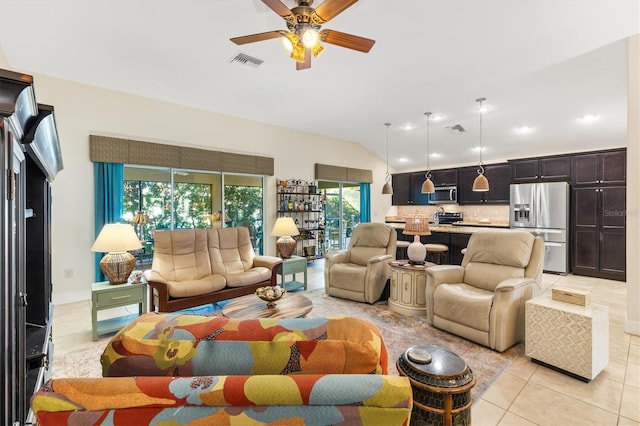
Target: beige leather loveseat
x=192, y=267
x=483, y=300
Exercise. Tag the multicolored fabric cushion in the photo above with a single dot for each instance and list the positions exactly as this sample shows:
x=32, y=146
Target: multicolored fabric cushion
x=366, y=399
x=185, y=344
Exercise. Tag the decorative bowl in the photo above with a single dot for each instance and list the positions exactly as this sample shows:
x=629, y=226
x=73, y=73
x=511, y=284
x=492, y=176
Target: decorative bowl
x=270, y=294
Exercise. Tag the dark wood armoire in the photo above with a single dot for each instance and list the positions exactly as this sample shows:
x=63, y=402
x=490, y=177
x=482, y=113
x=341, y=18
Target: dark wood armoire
x=31, y=158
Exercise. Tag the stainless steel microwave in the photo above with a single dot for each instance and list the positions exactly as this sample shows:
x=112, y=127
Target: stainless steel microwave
x=444, y=195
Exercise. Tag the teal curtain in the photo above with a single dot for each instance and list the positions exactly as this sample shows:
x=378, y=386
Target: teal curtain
x=365, y=202
x=108, y=181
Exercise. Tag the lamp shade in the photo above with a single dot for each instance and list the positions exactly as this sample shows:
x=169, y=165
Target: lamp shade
x=427, y=186
x=387, y=189
x=480, y=184
x=284, y=226
x=116, y=239
x=416, y=225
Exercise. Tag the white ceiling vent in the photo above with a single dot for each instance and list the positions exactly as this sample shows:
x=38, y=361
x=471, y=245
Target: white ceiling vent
x=456, y=129
x=246, y=60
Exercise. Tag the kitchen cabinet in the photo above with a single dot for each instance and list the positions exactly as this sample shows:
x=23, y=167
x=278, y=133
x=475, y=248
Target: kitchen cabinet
x=608, y=167
x=407, y=189
x=445, y=177
x=499, y=176
x=598, y=231
x=545, y=169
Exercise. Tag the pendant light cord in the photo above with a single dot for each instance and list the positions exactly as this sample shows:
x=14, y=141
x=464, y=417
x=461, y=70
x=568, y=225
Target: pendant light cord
x=480, y=100
x=428, y=174
x=387, y=176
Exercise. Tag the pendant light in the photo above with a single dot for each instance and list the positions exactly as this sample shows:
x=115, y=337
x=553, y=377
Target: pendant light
x=480, y=184
x=427, y=185
x=387, y=189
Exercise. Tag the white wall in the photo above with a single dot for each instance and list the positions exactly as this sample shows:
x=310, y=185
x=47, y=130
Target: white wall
x=82, y=110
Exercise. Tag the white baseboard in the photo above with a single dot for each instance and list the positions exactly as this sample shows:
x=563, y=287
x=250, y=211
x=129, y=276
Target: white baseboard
x=71, y=297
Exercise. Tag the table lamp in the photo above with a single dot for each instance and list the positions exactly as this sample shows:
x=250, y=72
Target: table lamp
x=416, y=225
x=116, y=239
x=284, y=228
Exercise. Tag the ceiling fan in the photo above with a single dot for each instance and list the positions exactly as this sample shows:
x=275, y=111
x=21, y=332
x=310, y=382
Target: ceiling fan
x=304, y=35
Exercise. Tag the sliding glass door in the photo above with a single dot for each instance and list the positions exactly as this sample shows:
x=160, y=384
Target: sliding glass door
x=342, y=212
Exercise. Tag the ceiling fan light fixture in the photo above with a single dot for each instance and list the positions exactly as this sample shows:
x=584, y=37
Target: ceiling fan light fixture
x=316, y=50
x=298, y=53
x=310, y=38
x=288, y=41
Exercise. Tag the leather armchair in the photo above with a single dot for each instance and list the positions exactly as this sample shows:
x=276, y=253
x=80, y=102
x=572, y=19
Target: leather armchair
x=361, y=272
x=483, y=299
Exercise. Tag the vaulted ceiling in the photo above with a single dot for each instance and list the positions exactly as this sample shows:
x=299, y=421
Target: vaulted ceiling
x=540, y=64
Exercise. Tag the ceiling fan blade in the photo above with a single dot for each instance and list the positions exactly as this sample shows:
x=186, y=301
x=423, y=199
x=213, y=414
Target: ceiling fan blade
x=349, y=41
x=280, y=8
x=307, y=61
x=329, y=9
x=256, y=37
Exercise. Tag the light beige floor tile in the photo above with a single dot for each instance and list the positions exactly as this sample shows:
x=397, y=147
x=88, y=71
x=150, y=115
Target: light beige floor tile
x=504, y=390
x=630, y=407
x=523, y=367
x=617, y=334
x=619, y=350
x=634, y=354
x=511, y=419
x=633, y=374
x=635, y=340
x=600, y=392
x=623, y=421
x=544, y=406
x=615, y=370
x=484, y=413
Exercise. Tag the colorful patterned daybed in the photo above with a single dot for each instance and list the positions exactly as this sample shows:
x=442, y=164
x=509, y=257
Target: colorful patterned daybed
x=195, y=369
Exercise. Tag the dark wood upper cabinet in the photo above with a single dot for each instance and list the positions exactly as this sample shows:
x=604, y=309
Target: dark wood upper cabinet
x=600, y=168
x=499, y=176
x=444, y=177
x=547, y=169
x=407, y=189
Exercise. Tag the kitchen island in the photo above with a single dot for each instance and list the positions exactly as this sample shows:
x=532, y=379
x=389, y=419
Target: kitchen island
x=455, y=236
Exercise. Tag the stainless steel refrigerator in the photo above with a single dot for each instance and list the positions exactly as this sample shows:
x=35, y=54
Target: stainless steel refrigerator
x=543, y=209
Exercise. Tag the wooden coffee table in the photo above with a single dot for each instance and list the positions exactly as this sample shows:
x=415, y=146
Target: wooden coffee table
x=290, y=306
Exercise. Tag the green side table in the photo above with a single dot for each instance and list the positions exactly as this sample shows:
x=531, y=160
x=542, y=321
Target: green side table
x=108, y=296
x=292, y=266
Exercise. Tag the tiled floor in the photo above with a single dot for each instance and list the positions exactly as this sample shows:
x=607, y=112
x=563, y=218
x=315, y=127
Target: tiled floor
x=525, y=394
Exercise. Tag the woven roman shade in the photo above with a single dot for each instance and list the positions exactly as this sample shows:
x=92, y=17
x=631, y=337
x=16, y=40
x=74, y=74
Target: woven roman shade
x=127, y=151
x=343, y=174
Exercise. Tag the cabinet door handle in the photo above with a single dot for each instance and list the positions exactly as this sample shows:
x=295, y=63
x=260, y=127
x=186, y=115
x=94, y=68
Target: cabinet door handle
x=121, y=297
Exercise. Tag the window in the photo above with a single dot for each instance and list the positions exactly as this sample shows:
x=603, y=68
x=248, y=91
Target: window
x=161, y=198
x=342, y=212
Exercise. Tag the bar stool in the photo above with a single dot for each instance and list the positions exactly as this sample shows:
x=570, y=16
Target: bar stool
x=439, y=250
x=401, y=249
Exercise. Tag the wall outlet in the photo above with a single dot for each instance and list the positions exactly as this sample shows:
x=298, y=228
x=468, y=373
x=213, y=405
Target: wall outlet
x=68, y=273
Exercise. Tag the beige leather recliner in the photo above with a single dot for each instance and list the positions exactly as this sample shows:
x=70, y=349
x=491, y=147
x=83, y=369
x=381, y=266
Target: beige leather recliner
x=483, y=300
x=361, y=272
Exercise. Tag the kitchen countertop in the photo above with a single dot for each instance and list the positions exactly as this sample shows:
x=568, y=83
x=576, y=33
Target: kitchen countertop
x=454, y=229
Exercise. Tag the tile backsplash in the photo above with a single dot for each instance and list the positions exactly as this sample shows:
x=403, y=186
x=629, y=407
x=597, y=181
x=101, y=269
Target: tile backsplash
x=495, y=214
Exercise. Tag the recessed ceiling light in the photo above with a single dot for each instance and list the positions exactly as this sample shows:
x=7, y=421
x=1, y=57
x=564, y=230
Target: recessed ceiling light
x=437, y=117
x=436, y=155
x=408, y=126
x=403, y=160
x=588, y=118
x=523, y=130
x=477, y=148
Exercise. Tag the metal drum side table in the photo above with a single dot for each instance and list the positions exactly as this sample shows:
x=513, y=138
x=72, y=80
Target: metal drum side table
x=441, y=382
